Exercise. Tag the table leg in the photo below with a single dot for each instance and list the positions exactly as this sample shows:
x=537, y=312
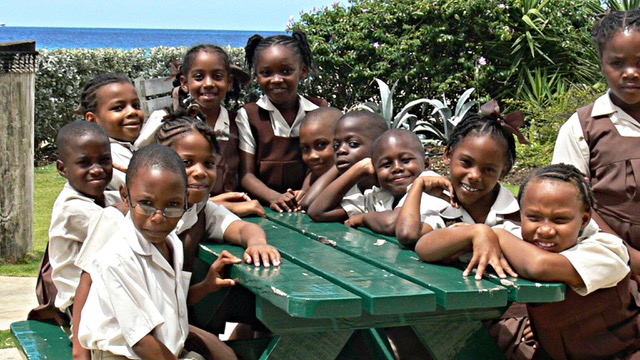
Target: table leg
x=321, y=345
x=458, y=340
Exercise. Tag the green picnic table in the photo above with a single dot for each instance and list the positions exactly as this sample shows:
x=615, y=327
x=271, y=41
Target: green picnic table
x=335, y=280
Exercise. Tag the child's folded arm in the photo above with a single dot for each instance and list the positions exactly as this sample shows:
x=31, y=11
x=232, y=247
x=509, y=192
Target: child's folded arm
x=316, y=188
x=382, y=222
x=150, y=348
x=330, y=198
x=534, y=263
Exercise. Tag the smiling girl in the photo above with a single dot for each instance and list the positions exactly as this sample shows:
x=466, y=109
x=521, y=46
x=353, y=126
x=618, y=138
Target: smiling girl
x=271, y=166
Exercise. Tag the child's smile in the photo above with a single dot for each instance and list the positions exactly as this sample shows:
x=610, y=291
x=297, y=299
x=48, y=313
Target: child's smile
x=278, y=71
x=118, y=111
x=200, y=163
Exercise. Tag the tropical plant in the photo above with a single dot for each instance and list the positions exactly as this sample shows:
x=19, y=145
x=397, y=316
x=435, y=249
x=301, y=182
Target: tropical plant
x=442, y=115
x=621, y=4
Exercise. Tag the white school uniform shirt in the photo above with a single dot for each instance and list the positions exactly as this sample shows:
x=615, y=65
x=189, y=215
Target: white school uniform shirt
x=280, y=126
x=572, y=148
x=153, y=123
x=217, y=219
x=101, y=228
x=601, y=259
x=135, y=291
x=121, y=153
x=70, y=218
x=374, y=199
x=505, y=204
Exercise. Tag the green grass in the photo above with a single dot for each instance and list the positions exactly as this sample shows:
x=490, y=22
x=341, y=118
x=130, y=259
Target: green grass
x=6, y=339
x=47, y=186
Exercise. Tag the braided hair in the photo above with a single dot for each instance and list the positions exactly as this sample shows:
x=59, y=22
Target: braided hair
x=612, y=23
x=175, y=126
x=565, y=173
x=475, y=124
x=89, y=98
x=297, y=42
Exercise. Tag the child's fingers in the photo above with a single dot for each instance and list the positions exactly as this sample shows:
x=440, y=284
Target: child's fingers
x=276, y=207
x=469, y=269
x=220, y=282
x=507, y=267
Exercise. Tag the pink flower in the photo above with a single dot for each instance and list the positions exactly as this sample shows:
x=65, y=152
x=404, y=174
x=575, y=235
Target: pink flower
x=376, y=45
x=335, y=3
x=482, y=60
x=365, y=10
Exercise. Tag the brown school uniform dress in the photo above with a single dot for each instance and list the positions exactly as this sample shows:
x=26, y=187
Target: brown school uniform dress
x=227, y=167
x=279, y=162
x=615, y=175
x=594, y=326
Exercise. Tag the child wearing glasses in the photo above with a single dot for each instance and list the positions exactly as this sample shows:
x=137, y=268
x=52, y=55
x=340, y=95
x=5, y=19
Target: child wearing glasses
x=137, y=304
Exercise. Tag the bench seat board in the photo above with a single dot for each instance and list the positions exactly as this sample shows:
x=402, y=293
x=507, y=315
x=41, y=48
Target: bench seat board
x=41, y=340
x=297, y=291
x=453, y=291
x=520, y=290
x=381, y=291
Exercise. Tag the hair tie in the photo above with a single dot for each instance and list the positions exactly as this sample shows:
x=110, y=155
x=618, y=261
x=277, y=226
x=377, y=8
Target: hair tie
x=511, y=121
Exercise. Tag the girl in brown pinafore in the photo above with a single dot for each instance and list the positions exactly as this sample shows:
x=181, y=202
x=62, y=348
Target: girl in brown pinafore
x=602, y=139
x=271, y=166
x=599, y=317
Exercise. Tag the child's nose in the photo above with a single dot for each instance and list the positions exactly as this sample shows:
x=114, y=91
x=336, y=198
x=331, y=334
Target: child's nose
x=631, y=72
x=96, y=169
x=546, y=231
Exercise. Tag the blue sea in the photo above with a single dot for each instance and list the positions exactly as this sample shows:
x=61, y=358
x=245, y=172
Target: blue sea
x=90, y=38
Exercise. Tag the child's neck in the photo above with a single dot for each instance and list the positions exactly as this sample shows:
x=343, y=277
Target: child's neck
x=480, y=209
x=165, y=249
x=289, y=111
x=632, y=110
x=212, y=116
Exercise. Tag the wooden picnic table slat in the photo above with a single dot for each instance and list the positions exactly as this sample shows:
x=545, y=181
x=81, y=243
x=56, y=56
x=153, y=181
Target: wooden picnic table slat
x=381, y=291
x=520, y=290
x=453, y=291
x=297, y=291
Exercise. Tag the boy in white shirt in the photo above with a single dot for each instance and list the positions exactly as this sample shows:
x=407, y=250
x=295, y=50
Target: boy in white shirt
x=137, y=305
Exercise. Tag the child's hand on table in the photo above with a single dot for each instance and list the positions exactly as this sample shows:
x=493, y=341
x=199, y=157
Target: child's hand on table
x=262, y=254
x=214, y=279
x=486, y=251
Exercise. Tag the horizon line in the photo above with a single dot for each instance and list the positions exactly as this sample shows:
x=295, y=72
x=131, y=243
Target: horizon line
x=131, y=28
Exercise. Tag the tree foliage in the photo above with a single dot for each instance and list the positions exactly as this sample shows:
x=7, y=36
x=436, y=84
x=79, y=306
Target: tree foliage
x=446, y=46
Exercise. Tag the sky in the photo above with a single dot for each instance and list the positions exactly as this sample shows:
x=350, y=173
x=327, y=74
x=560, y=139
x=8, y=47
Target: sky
x=271, y=15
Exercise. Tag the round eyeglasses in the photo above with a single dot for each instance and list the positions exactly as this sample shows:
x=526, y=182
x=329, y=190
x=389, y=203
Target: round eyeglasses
x=147, y=210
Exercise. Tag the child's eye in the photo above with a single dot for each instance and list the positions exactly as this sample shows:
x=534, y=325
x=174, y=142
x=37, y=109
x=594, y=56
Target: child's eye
x=210, y=164
x=265, y=73
x=406, y=160
x=187, y=162
x=533, y=218
x=197, y=77
x=219, y=77
x=117, y=108
x=336, y=146
x=287, y=71
x=305, y=148
x=385, y=165
x=354, y=144
x=321, y=146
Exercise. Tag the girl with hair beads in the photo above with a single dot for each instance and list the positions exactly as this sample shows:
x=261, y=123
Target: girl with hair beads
x=206, y=77
x=271, y=166
x=112, y=102
x=601, y=139
x=599, y=317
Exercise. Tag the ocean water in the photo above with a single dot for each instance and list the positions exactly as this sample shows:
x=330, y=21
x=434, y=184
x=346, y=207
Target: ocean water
x=91, y=38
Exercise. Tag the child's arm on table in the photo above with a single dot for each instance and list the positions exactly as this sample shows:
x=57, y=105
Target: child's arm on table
x=82, y=291
x=409, y=226
x=249, y=181
x=150, y=348
x=322, y=209
x=214, y=281
x=382, y=222
x=442, y=244
x=534, y=263
x=239, y=203
x=320, y=184
x=253, y=238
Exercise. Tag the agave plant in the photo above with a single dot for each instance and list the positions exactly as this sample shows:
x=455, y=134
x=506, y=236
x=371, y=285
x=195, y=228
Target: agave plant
x=442, y=114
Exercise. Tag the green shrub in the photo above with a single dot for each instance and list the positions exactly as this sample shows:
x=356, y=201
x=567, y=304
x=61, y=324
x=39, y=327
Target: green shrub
x=446, y=46
x=544, y=122
x=63, y=72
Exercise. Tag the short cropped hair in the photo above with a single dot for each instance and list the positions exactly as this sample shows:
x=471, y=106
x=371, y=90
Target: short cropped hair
x=155, y=156
x=68, y=134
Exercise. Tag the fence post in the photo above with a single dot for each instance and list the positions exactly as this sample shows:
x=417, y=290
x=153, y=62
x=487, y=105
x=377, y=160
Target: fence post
x=18, y=63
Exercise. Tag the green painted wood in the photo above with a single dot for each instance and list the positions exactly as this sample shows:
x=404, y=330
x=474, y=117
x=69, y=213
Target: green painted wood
x=519, y=290
x=381, y=291
x=280, y=322
x=325, y=345
x=458, y=340
x=297, y=291
x=249, y=349
x=453, y=291
x=40, y=340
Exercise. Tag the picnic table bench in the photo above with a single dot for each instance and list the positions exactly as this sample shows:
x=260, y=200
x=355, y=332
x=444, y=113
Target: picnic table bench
x=335, y=280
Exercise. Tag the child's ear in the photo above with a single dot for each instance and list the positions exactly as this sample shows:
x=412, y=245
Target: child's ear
x=447, y=156
x=124, y=194
x=304, y=72
x=230, y=80
x=62, y=170
x=90, y=116
x=586, y=217
x=184, y=84
x=426, y=162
